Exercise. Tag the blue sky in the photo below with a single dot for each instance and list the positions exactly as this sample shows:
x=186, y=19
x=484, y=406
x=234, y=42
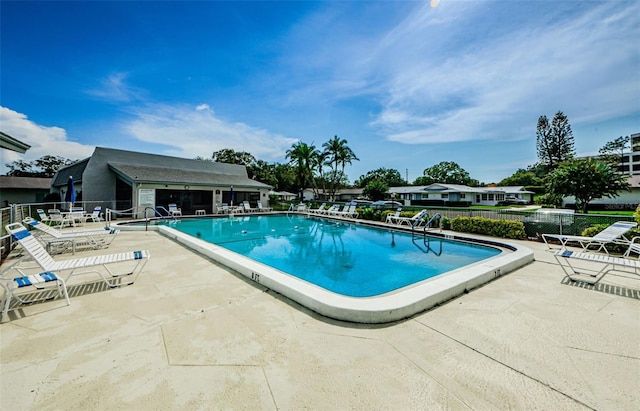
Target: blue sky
x=407, y=84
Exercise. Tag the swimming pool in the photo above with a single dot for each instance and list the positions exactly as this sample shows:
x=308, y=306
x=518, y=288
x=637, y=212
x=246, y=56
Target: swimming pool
x=365, y=302
x=348, y=259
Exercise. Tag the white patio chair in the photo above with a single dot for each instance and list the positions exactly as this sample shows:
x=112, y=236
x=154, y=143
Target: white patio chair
x=612, y=234
x=174, y=210
x=17, y=288
x=102, y=265
x=93, y=237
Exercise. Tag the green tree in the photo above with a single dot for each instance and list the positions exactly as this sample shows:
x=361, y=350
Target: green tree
x=423, y=181
x=389, y=176
x=375, y=189
x=613, y=151
x=303, y=157
x=449, y=172
x=230, y=156
x=586, y=179
x=522, y=177
x=554, y=141
x=339, y=154
x=45, y=167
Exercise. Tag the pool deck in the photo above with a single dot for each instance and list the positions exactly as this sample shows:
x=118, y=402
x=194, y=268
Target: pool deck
x=190, y=334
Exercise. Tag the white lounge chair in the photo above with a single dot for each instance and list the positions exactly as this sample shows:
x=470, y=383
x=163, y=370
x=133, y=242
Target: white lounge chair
x=98, y=264
x=591, y=276
x=247, y=207
x=261, y=208
x=319, y=210
x=22, y=286
x=95, y=215
x=391, y=218
x=612, y=234
x=93, y=237
x=416, y=220
x=174, y=210
x=59, y=219
x=43, y=216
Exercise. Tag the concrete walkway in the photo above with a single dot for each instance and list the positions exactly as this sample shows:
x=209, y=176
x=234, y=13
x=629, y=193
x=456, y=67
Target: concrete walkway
x=190, y=334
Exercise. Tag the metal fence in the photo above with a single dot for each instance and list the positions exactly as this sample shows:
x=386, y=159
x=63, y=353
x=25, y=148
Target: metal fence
x=536, y=222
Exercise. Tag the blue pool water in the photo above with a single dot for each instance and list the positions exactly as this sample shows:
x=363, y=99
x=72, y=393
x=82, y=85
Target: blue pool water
x=348, y=259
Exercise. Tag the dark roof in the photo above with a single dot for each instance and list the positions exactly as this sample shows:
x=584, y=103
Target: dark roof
x=144, y=167
x=142, y=174
x=25, y=182
x=75, y=170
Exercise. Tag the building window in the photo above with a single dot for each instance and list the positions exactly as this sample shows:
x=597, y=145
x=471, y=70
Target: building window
x=444, y=195
x=462, y=195
x=499, y=197
x=484, y=197
x=490, y=197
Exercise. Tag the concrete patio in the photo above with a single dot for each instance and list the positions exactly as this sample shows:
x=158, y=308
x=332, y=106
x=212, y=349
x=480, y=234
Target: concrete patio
x=190, y=334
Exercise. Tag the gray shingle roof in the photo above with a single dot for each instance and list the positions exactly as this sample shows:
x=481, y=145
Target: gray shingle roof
x=141, y=173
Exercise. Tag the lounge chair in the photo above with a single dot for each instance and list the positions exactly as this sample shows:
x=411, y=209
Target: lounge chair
x=247, y=207
x=20, y=287
x=592, y=276
x=612, y=234
x=94, y=237
x=98, y=264
x=331, y=210
x=416, y=220
x=174, y=210
x=223, y=209
x=60, y=219
x=319, y=210
x=43, y=216
x=261, y=208
x=391, y=218
x=95, y=215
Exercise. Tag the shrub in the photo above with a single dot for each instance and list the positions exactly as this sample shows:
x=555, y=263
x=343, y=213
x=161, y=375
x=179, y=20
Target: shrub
x=445, y=223
x=497, y=228
x=636, y=215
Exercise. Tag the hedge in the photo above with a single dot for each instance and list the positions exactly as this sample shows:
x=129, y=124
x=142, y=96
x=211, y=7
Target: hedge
x=611, y=247
x=497, y=228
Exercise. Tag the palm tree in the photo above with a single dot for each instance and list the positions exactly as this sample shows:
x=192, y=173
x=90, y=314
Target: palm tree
x=338, y=154
x=303, y=156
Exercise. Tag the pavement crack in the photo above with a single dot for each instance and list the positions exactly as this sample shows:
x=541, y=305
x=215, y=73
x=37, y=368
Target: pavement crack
x=502, y=363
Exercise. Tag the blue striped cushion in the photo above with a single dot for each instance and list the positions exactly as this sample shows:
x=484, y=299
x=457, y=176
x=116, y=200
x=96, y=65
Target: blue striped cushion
x=137, y=255
x=19, y=235
x=43, y=277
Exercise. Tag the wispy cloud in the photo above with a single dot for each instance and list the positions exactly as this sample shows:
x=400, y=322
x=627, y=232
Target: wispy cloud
x=508, y=80
x=114, y=88
x=196, y=131
x=43, y=140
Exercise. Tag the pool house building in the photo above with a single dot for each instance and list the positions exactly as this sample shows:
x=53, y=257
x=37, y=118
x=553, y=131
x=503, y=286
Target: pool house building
x=439, y=194
x=135, y=181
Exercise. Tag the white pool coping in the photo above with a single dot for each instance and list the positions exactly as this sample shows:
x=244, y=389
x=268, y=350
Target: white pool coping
x=392, y=306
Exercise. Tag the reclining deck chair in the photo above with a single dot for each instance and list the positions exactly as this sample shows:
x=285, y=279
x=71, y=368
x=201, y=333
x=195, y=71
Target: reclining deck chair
x=174, y=210
x=319, y=210
x=261, y=208
x=98, y=264
x=391, y=218
x=93, y=237
x=42, y=282
x=590, y=276
x=43, y=216
x=247, y=207
x=95, y=215
x=416, y=220
x=612, y=234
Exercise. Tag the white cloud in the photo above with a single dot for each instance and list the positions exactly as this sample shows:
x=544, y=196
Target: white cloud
x=494, y=86
x=43, y=140
x=114, y=88
x=193, y=132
